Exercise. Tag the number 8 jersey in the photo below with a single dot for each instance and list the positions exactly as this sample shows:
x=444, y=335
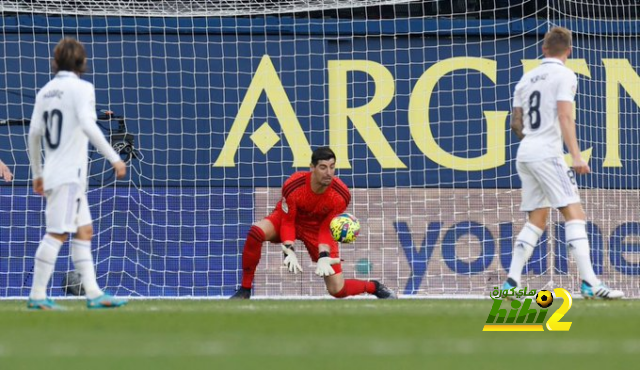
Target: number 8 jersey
x=64, y=116
x=538, y=94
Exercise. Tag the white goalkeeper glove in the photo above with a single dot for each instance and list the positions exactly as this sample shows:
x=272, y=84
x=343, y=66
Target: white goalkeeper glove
x=290, y=259
x=324, y=265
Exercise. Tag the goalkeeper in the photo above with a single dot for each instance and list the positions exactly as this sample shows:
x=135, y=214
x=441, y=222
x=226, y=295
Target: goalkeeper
x=309, y=202
x=65, y=116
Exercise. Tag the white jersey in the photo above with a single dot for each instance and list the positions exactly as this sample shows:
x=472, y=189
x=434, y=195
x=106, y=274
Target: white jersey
x=65, y=116
x=538, y=94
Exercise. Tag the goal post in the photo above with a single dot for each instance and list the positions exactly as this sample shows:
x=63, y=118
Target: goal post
x=214, y=104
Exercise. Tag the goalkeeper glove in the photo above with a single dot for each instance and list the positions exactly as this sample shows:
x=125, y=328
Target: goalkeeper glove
x=290, y=259
x=324, y=265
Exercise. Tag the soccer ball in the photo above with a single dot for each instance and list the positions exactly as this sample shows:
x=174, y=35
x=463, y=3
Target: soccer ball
x=345, y=228
x=544, y=298
x=72, y=283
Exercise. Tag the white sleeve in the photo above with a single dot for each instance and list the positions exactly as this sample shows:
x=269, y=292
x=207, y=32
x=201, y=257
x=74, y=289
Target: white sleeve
x=516, y=97
x=36, y=128
x=86, y=112
x=567, y=87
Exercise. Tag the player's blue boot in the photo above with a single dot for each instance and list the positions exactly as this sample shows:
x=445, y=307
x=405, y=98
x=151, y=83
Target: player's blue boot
x=599, y=292
x=511, y=284
x=44, y=305
x=105, y=301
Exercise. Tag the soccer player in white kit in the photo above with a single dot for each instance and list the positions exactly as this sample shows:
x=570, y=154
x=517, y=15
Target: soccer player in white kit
x=65, y=116
x=542, y=118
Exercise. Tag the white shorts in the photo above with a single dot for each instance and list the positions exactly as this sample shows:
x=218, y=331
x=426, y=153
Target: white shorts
x=547, y=183
x=67, y=209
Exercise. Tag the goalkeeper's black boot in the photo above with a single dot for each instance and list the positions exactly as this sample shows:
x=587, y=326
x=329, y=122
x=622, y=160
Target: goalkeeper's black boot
x=242, y=293
x=383, y=292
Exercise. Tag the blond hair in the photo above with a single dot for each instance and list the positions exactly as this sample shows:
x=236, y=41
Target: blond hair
x=557, y=41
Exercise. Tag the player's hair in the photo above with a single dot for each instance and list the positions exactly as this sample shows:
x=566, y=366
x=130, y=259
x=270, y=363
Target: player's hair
x=69, y=55
x=557, y=41
x=323, y=153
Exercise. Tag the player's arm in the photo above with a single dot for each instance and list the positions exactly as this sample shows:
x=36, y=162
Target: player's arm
x=566, y=94
x=36, y=131
x=5, y=172
x=288, y=232
x=339, y=204
x=568, y=127
x=323, y=267
x=86, y=112
x=288, y=226
x=325, y=239
x=517, y=124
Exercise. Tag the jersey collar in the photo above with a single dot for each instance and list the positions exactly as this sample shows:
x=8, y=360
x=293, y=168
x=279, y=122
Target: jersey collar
x=552, y=61
x=65, y=74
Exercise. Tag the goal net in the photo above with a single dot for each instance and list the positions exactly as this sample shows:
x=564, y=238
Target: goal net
x=215, y=103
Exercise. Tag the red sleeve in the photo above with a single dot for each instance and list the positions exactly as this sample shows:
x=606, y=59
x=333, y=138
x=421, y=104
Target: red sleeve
x=342, y=190
x=289, y=205
x=324, y=234
x=339, y=198
x=288, y=226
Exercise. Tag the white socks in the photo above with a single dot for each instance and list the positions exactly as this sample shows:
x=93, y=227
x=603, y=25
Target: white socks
x=522, y=250
x=83, y=262
x=578, y=244
x=44, y=264
x=45, y=261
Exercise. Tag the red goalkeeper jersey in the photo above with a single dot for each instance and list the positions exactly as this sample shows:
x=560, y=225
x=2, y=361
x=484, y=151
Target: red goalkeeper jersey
x=305, y=209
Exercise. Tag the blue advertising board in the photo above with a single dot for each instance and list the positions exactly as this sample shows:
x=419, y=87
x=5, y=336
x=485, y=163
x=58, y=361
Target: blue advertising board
x=148, y=242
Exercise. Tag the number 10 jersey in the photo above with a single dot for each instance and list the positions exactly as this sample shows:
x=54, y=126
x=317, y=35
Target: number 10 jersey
x=64, y=115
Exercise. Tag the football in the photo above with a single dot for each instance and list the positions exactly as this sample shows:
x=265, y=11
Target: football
x=544, y=298
x=345, y=228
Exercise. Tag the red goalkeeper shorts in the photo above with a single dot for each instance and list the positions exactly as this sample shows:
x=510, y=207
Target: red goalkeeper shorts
x=308, y=236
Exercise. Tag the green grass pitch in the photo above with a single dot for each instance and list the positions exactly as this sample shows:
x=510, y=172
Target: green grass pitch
x=311, y=334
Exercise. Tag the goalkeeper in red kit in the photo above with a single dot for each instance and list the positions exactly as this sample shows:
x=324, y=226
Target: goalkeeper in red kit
x=310, y=200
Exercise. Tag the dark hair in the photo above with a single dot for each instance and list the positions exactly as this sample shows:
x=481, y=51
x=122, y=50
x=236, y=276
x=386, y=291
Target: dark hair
x=69, y=55
x=557, y=41
x=322, y=154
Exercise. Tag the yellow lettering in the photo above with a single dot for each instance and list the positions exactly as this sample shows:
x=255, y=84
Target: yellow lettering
x=266, y=79
x=618, y=72
x=362, y=116
x=419, y=123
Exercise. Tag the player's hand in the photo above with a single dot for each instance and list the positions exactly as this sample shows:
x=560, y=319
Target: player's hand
x=291, y=260
x=580, y=166
x=324, y=266
x=5, y=173
x=38, y=186
x=120, y=168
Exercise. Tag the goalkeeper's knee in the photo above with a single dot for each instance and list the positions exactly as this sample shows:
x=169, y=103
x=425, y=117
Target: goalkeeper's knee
x=342, y=293
x=256, y=234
